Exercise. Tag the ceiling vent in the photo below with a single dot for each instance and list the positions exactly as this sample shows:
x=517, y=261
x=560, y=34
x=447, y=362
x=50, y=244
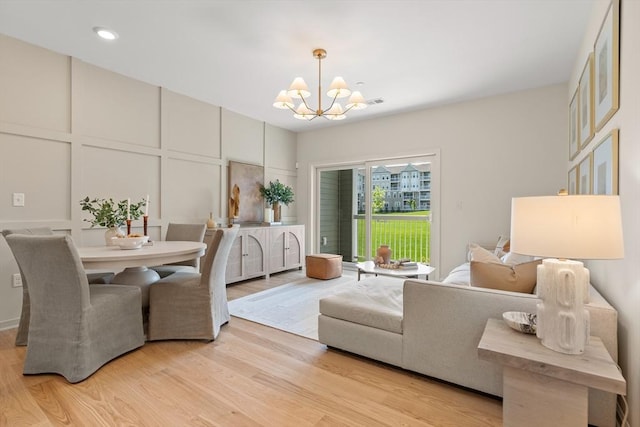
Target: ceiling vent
x=375, y=101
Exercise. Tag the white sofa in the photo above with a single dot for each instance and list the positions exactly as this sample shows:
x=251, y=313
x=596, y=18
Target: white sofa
x=434, y=328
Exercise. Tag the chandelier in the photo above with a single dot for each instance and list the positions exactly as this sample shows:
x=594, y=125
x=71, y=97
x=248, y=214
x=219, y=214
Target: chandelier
x=338, y=89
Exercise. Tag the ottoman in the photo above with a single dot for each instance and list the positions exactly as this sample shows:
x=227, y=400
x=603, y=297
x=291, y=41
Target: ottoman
x=324, y=266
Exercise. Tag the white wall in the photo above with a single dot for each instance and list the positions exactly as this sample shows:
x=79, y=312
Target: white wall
x=491, y=150
x=69, y=129
x=619, y=281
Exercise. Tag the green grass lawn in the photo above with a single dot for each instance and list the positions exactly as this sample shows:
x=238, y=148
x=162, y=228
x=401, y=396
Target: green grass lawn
x=407, y=239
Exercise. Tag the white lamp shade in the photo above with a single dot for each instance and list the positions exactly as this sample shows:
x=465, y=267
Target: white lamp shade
x=338, y=88
x=304, y=113
x=575, y=226
x=335, y=112
x=356, y=101
x=298, y=88
x=283, y=101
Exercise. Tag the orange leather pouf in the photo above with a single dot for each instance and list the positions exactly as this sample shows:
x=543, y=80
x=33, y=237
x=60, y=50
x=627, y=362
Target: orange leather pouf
x=324, y=266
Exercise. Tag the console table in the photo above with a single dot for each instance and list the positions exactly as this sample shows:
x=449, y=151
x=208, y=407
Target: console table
x=543, y=387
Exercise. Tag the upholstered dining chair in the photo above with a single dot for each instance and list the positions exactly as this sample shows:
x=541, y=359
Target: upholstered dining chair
x=184, y=232
x=191, y=305
x=74, y=328
x=23, y=325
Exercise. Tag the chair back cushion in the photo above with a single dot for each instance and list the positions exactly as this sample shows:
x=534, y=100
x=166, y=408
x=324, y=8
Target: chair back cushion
x=215, y=260
x=58, y=285
x=187, y=233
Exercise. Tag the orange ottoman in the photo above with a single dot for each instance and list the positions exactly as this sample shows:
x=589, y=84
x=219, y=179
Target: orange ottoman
x=324, y=266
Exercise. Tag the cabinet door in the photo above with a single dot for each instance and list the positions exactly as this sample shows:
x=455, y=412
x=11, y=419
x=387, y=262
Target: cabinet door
x=255, y=253
x=234, y=271
x=277, y=253
x=294, y=250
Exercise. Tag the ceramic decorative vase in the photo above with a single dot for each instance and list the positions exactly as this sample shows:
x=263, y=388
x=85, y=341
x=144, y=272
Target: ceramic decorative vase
x=112, y=232
x=384, y=252
x=276, y=212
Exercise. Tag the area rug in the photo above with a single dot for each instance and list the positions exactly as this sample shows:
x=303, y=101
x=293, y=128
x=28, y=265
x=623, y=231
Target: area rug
x=292, y=307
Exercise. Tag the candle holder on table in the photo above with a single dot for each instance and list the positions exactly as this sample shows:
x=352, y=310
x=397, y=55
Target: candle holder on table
x=128, y=227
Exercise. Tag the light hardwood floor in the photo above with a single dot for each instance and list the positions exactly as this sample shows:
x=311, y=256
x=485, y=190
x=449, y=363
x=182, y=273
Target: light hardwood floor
x=252, y=375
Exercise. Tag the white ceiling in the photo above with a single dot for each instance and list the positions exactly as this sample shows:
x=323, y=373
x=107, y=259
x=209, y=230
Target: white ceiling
x=239, y=53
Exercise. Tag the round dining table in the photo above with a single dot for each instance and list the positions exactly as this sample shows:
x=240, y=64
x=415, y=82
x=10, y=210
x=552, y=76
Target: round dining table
x=157, y=253
x=135, y=262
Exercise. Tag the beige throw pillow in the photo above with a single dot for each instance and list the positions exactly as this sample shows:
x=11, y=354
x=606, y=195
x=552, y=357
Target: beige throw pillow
x=480, y=254
x=516, y=278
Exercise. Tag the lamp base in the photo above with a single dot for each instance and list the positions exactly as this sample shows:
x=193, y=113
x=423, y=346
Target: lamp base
x=563, y=322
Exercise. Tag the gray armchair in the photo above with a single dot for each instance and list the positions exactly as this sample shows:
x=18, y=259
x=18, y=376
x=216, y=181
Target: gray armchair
x=191, y=305
x=74, y=328
x=23, y=326
x=183, y=232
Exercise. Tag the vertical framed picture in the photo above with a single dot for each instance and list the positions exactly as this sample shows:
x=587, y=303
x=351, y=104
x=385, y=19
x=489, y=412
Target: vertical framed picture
x=572, y=186
x=584, y=176
x=574, y=131
x=586, y=129
x=607, y=66
x=605, y=165
x=245, y=203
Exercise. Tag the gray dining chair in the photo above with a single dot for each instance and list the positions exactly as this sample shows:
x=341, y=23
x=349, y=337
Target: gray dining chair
x=192, y=305
x=23, y=325
x=183, y=232
x=74, y=328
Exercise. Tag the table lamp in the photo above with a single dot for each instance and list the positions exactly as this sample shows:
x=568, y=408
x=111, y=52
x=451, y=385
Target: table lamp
x=562, y=227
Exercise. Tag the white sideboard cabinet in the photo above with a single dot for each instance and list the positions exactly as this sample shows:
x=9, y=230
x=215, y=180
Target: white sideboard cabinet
x=262, y=250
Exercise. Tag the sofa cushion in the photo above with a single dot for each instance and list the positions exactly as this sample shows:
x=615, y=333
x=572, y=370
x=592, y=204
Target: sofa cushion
x=374, y=302
x=516, y=278
x=480, y=254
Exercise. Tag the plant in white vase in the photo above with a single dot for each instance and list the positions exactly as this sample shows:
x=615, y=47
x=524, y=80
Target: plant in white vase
x=275, y=194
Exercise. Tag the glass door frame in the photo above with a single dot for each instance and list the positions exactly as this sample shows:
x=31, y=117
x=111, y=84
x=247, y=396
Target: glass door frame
x=431, y=156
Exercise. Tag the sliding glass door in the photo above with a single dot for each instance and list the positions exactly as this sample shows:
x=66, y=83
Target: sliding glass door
x=388, y=202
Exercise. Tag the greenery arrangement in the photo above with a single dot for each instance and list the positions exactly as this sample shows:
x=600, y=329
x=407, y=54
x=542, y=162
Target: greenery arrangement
x=277, y=192
x=108, y=213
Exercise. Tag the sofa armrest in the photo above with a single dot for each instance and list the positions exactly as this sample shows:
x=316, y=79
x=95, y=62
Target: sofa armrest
x=442, y=326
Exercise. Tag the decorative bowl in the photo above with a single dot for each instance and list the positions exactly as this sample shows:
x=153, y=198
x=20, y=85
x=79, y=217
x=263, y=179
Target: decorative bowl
x=521, y=321
x=129, y=242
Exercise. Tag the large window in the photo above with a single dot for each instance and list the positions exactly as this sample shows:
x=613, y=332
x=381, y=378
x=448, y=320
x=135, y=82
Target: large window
x=379, y=202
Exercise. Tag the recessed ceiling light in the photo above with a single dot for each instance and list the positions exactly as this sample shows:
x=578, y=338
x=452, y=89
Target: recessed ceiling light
x=105, y=33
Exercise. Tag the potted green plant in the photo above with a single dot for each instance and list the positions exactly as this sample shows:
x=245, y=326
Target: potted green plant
x=110, y=214
x=275, y=194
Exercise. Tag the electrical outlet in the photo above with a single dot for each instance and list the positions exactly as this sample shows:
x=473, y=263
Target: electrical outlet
x=18, y=199
x=17, y=280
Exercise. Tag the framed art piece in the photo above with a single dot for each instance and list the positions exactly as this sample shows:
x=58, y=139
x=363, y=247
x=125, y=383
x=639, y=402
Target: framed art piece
x=585, y=99
x=573, y=180
x=584, y=176
x=245, y=203
x=574, y=131
x=605, y=165
x=606, y=66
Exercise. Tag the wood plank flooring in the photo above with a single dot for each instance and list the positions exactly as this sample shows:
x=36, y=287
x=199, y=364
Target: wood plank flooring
x=252, y=375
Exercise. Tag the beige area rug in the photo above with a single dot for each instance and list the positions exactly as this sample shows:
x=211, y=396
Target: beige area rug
x=292, y=307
